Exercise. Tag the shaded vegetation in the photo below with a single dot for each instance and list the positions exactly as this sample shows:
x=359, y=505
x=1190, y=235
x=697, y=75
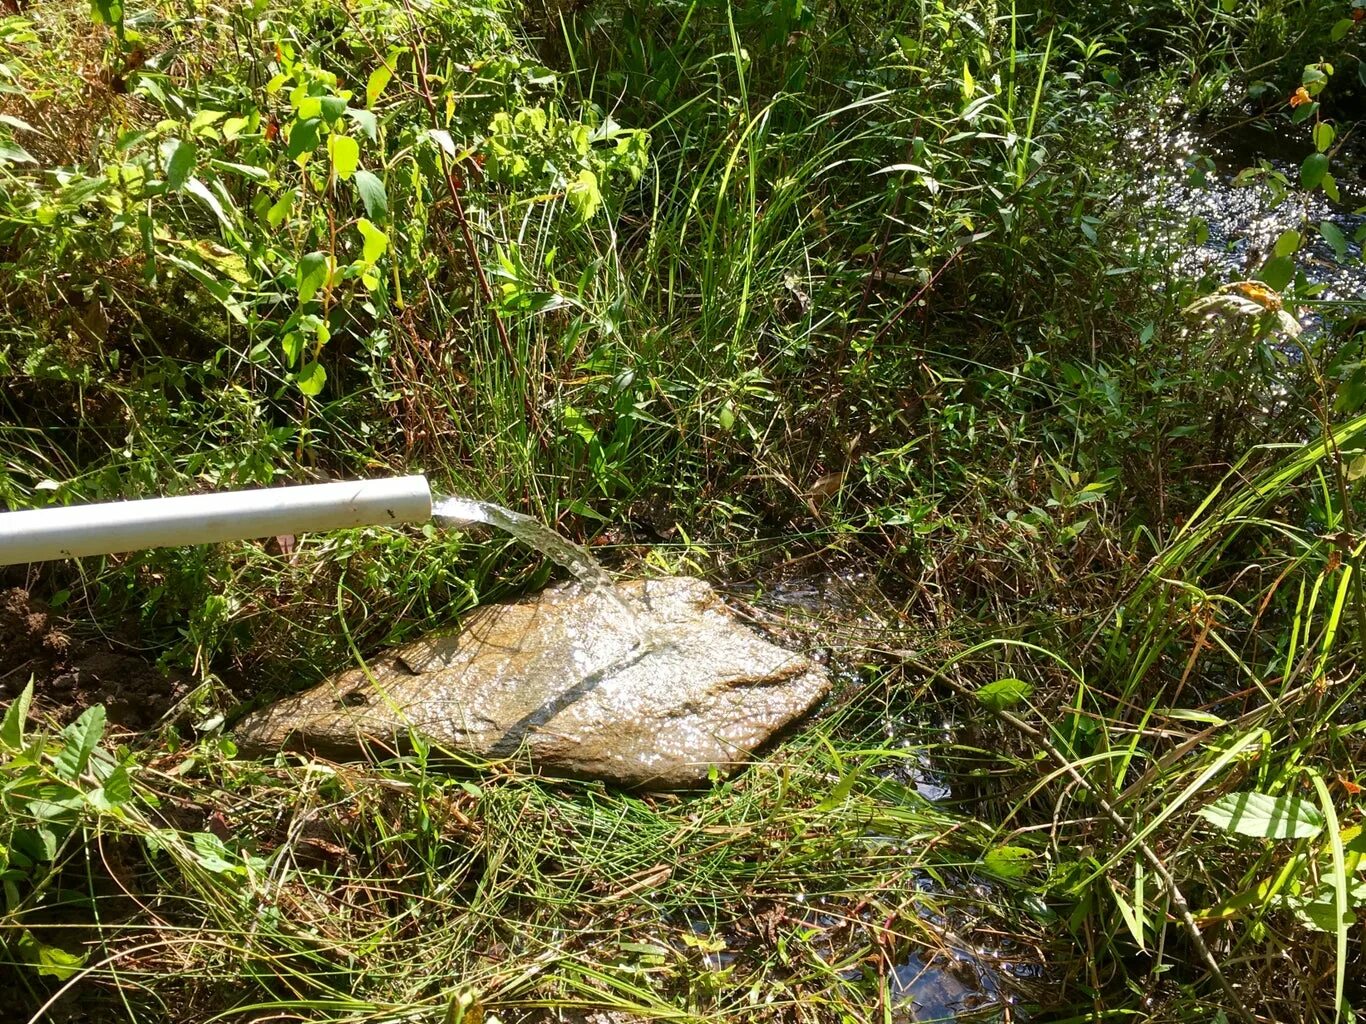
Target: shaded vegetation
x=732, y=288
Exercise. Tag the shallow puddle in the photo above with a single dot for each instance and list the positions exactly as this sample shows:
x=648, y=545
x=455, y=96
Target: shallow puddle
x=964, y=969
x=930, y=992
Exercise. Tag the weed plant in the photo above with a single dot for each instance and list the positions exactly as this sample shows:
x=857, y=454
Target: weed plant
x=734, y=288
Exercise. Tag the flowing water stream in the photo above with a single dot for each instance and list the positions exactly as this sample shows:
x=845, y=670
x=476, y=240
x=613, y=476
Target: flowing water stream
x=1213, y=222
x=456, y=511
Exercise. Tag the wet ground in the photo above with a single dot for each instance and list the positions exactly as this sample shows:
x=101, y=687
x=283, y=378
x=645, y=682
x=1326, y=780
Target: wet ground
x=70, y=674
x=967, y=969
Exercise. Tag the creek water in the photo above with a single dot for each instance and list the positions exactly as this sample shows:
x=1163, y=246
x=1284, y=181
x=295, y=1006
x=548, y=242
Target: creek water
x=1213, y=218
x=857, y=625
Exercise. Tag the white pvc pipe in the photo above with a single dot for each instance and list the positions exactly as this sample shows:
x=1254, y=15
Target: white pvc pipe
x=37, y=535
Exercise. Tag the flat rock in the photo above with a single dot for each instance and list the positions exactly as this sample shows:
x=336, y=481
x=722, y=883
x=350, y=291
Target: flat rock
x=656, y=700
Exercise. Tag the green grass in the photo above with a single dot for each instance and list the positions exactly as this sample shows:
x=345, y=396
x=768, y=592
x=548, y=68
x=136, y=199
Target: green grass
x=872, y=303
x=333, y=882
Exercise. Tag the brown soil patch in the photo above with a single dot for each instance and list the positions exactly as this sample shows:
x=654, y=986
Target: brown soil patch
x=70, y=676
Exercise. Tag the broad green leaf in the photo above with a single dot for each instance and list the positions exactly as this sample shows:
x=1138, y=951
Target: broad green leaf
x=303, y=137
x=345, y=154
x=578, y=424
x=539, y=74
x=372, y=195
x=1320, y=915
x=375, y=241
x=293, y=344
x=442, y=139
x=16, y=122
x=57, y=804
x=1351, y=394
x=12, y=728
x=130, y=138
x=1287, y=243
x=311, y=276
x=1313, y=169
x=311, y=378
x=177, y=160
x=1008, y=861
x=1265, y=816
x=280, y=210
x=205, y=119
x=1324, y=134
x=1354, y=836
x=333, y=107
x=201, y=192
x=1333, y=235
x=378, y=79
x=79, y=740
x=49, y=961
x=213, y=855
x=108, y=12
x=1277, y=272
x=233, y=127
x=13, y=153
x=118, y=788
x=365, y=121
x=246, y=170
x=1003, y=694
x=585, y=195
x=318, y=325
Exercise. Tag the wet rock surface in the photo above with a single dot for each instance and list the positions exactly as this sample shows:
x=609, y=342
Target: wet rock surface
x=565, y=677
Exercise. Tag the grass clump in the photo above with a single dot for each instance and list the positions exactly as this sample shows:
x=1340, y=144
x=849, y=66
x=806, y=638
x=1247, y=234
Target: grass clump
x=306, y=889
x=861, y=292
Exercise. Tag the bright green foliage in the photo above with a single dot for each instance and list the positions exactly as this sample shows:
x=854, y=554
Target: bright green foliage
x=732, y=283
x=51, y=790
x=1265, y=816
x=1003, y=694
x=245, y=142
